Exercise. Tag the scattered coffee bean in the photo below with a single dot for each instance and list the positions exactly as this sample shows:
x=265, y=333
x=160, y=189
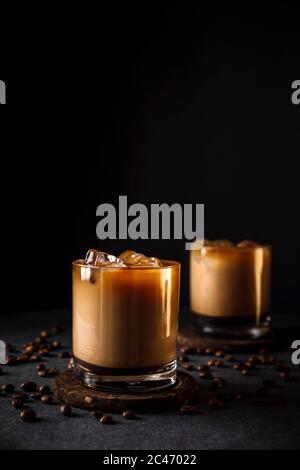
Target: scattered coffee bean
x=17, y=403
x=53, y=371
x=187, y=366
x=205, y=375
x=21, y=396
x=30, y=349
x=219, y=363
x=21, y=358
x=280, y=366
x=44, y=352
x=38, y=340
x=264, y=351
x=11, y=361
x=215, y=404
x=218, y=382
x=35, y=357
x=106, y=419
x=245, y=371
x=269, y=383
x=237, y=396
x=36, y=395
x=44, y=389
x=88, y=399
x=250, y=365
x=238, y=366
x=40, y=367
x=254, y=360
x=285, y=375
x=202, y=368
x=55, y=344
x=211, y=362
x=219, y=353
x=43, y=373
x=190, y=409
x=229, y=358
x=29, y=386
x=70, y=364
x=264, y=359
x=44, y=334
x=47, y=399
x=97, y=414
x=63, y=354
x=199, y=351
x=8, y=388
x=209, y=351
x=129, y=414
x=28, y=414
x=66, y=410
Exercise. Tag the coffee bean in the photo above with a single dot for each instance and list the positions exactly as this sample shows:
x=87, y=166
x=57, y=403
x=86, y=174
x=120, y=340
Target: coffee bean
x=55, y=344
x=269, y=383
x=249, y=365
x=36, y=395
x=254, y=360
x=40, y=367
x=199, y=351
x=70, y=364
x=218, y=382
x=63, y=354
x=29, y=386
x=245, y=371
x=53, y=371
x=10, y=348
x=44, y=352
x=187, y=366
x=43, y=373
x=20, y=396
x=190, y=409
x=229, y=358
x=237, y=396
x=11, y=361
x=66, y=410
x=97, y=414
x=279, y=365
x=285, y=375
x=215, y=404
x=264, y=359
x=129, y=414
x=88, y=399
x=35, y=358
x=17, y=403
x=28, y=414
x=47, y=399
x=202, y=368
x=219, y=353
x=264, y=351
x=106, y=419
x=219, y=363
x=205, y=375
x=38, y=340
x=211, y=362
x=44, y=389
x=8, y=388
x=44, y=334
x=30, y=349
x=209, y=351
x=238, y=366
x=21, y=358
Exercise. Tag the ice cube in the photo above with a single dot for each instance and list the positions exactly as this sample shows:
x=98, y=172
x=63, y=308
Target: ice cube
x=100, y=258
x=247, y=244
x=132, y=258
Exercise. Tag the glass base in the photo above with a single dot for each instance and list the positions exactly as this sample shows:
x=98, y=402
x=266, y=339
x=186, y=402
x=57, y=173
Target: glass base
x=156, y=379
x=233, y=327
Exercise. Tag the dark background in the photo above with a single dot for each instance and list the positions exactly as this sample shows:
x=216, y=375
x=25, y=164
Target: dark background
x=164, y=104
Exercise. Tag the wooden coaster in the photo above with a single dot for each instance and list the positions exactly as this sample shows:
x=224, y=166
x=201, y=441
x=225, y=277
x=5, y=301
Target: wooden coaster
x=191, y=337
x=68, y=389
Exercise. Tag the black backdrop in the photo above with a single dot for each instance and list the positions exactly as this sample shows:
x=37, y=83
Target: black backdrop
x=164, y=105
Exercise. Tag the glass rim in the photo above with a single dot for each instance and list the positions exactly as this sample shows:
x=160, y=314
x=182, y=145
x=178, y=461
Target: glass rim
x=167, y=264
x=235, y=248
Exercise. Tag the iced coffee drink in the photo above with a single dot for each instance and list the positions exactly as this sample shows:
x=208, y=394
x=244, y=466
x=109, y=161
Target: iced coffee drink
x=230, y=288
x=125, y=320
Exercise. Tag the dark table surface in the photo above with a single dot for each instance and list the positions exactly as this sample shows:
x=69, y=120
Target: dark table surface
x=241, y=425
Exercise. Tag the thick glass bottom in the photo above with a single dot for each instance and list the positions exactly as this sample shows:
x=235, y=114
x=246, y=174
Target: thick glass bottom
x=243, y=327
x=125, y=380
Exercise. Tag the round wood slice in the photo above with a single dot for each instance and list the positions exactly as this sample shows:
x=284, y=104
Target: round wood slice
x=191, y=337
x=71, y=391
